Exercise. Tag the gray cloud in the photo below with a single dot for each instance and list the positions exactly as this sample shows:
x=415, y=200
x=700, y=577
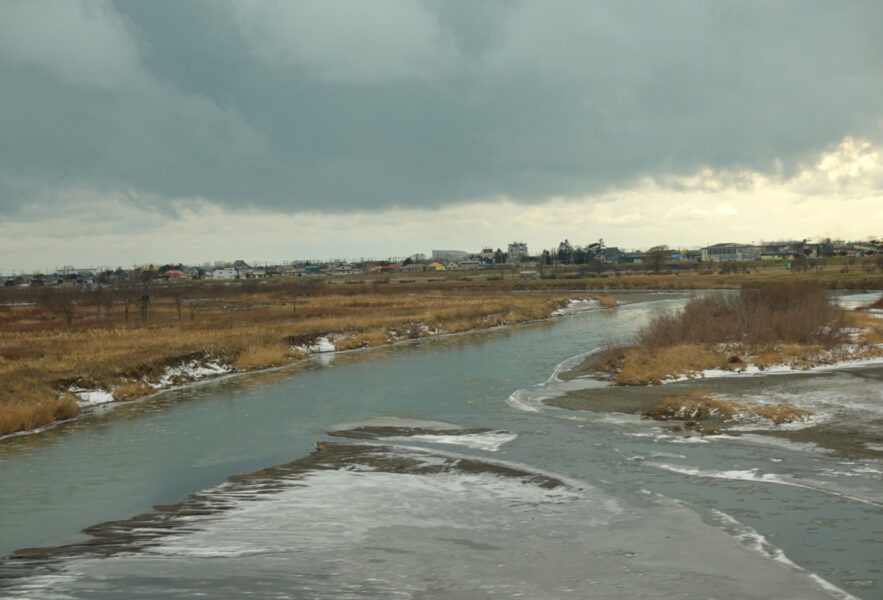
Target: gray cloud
x=337, y=105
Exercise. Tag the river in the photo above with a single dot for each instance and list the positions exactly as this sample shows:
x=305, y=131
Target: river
x=459, y=483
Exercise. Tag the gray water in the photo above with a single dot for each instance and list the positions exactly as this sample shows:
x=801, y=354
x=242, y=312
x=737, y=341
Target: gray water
x=642, y=512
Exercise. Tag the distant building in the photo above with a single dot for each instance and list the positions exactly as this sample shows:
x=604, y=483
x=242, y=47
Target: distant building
x=730, y=252
x=632, y=258
x=225, y=274
x=612, y=254
x=455, y=255
x=173, y=274
x=517, y=250
x=472, y=264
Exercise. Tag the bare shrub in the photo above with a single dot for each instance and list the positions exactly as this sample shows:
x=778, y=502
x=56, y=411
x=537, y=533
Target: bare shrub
x=761, y=314
x=62, y=300
x=605, y=301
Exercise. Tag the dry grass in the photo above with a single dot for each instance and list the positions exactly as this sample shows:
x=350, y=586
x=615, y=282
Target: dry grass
x=605, y=301
x=830, y=278
x=870, y=328
x=649, y=366
x=763, y=326
x=365, y=339
x=261, y=357
x=130, y=390
x=765, y=314
x=698, y=406
x=247, y=325
x=23, y=415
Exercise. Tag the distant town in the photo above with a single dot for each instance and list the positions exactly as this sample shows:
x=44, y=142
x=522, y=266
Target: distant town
x=594, y=257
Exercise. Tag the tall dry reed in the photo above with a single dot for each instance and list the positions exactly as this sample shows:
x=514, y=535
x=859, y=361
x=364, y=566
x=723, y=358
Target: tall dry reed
x=799, y=313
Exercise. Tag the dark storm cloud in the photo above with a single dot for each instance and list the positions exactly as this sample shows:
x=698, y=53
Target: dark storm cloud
x=332, y=106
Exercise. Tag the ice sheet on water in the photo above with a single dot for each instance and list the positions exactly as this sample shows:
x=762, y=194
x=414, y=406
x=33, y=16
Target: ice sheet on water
x=336, y=533
x=404, y=422
x=853, y=301
x=756, y=542
x=867, y=496
x=490, y=441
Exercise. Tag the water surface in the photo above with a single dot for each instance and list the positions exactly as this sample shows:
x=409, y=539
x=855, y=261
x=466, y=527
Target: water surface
x=640, y=511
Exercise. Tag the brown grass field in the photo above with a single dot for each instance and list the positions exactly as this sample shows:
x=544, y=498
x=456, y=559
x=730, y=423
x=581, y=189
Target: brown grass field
x=792, y=323
x=51, y=339
x=246, y=325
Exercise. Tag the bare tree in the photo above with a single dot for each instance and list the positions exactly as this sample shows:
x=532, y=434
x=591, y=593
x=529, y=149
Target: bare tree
x=176, y=291
x=127, y=290
x=62, y=300
x=141, y=290
x=657, y=257
x=98, y=297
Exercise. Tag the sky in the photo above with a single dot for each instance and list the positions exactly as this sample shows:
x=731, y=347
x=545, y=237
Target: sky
x=137, y=132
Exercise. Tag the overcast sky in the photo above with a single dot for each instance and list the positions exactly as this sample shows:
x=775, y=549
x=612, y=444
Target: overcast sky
x=202, y=130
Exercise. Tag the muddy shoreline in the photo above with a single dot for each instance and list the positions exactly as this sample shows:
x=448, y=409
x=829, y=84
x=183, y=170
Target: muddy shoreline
x=845, y=438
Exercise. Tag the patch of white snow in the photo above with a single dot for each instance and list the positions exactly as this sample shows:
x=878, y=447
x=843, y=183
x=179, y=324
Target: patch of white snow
x=91, y=397
x=190, y=371
x=576, y=305
x=322, y=344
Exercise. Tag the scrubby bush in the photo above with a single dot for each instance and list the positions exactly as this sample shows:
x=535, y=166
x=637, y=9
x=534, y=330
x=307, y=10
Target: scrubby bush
x=798, y=313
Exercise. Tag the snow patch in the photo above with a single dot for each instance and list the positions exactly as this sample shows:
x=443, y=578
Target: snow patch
x=91, y=397
x=193, y=370
x=321, y=345
x=576, y=305
x=190, y=371
x=413, y=330
x=752, y=370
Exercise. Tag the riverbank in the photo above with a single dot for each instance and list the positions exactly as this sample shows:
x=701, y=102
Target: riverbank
x=50, y=373
x=698, y=390
x=118, y=463
x=771, y=326
x=692, y=410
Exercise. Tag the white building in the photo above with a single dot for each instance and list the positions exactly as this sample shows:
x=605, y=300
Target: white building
x=517, y=250
x=225, y=274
